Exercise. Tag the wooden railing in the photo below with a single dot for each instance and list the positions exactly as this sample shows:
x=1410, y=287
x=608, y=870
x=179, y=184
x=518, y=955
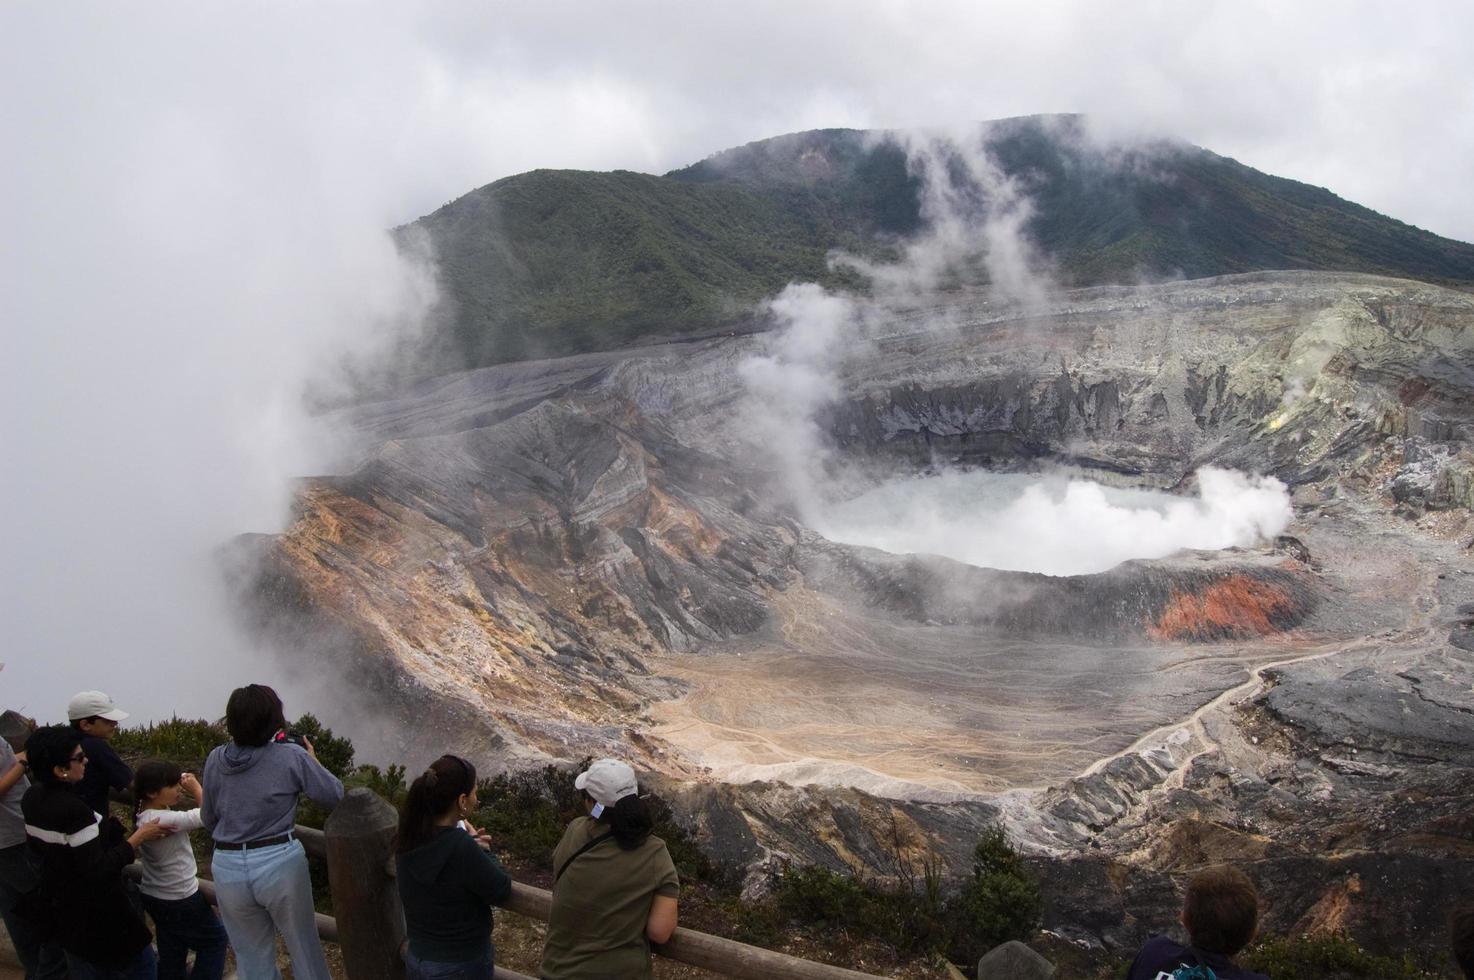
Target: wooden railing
x=369, y=925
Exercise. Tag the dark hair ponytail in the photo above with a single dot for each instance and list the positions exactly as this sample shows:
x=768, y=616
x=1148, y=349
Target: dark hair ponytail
x=431, y=795
x=629, y=821
x=150, y=777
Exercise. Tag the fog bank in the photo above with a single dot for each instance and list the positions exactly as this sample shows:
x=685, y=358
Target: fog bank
x=190, y=244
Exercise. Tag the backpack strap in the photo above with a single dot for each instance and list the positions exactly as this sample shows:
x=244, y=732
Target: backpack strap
x=588, y=845
x=1201, y=971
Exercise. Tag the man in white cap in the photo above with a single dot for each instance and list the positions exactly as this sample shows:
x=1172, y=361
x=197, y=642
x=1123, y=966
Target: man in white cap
x=95, y=717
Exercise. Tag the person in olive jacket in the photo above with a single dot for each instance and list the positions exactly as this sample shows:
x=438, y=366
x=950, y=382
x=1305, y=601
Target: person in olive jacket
x=447, y=879
x=81, y=903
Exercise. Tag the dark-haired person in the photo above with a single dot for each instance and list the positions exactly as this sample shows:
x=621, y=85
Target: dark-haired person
x=447, y=881
x=262, y=883
x=183, y=920
x=20, y=873
x=95, y=717
x=81, y=900
x=1461, y=928
x=615, y=887
x=1221, y=914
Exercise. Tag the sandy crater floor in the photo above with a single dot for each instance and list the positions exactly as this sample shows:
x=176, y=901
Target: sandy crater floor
x=847, y=700
x=838, y=697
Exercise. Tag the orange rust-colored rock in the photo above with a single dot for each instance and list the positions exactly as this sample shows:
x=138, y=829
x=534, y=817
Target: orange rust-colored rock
x=1234, y=606
x=1193, y=842
x=1335, y=910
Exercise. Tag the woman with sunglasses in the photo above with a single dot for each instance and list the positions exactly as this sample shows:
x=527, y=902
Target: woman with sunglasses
x=81, y=902
x=447, y=878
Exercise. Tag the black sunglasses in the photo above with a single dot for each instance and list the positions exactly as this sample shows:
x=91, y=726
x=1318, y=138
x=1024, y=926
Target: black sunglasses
x=77, y=756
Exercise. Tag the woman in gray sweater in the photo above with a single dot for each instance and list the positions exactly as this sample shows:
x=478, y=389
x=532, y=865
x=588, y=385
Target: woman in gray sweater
x=261, y=878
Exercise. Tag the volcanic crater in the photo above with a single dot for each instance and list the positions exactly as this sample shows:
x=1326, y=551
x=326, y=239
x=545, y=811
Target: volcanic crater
x=588, y=555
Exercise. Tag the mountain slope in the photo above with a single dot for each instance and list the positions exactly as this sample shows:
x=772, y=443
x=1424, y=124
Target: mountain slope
x=555, y=262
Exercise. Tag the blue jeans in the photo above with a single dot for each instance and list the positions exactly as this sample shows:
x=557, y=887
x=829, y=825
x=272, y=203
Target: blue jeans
x=262, y=892
x=145, y=966
x=19, y=876
x=185, y=924
x=418, y=969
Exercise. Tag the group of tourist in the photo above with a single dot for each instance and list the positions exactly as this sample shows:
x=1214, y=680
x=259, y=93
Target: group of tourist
x=71, y=912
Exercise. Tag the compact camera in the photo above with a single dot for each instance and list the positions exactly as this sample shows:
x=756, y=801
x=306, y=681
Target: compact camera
x=288, y=735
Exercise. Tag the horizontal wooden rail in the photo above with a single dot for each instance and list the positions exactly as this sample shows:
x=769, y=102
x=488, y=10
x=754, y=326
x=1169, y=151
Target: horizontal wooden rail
x=724, y=956
x=327, y=926
x=313, y=841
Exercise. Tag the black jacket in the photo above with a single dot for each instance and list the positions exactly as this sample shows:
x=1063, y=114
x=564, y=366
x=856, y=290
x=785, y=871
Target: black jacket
x=105, y=771
x=81, y=903
x=1161, y=956
x=448, y=885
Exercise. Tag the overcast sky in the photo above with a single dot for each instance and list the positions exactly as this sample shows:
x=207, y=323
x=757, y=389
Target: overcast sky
x=409, y=104
x=194, y=195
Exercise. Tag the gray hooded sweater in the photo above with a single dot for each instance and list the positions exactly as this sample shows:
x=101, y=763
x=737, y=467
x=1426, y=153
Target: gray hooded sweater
x=251, y=790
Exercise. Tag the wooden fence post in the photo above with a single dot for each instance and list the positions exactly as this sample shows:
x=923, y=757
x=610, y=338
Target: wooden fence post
x=366, y=905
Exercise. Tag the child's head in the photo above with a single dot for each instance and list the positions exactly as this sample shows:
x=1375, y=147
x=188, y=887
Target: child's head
x=156, y=784
x=1221, y=911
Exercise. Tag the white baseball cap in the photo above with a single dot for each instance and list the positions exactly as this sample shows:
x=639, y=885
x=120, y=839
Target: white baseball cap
x=93, y=704
x=608, y=781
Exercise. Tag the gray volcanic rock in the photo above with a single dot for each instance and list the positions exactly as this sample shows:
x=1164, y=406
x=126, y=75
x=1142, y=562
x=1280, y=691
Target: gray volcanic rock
x=1420, y=711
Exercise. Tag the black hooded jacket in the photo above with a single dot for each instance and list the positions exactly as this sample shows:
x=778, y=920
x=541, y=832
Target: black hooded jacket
x=81, y=903
x=448, y=885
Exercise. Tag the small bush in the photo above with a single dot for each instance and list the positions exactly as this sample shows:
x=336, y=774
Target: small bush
x=999, y=902
x=1328, y=957
x=180, y=740
x=525, y=812
x=335, y=754
x=388, y=783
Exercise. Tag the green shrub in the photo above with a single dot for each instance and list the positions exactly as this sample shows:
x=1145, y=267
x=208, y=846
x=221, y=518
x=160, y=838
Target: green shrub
x=1328, y=957
x=834, y=902
x=388, y=783
x=525, y=812
x=999, y=902
x=335, y=754
x=178, y=740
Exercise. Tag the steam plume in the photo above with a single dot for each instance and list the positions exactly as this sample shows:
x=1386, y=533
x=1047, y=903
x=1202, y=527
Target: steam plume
x=976, y=218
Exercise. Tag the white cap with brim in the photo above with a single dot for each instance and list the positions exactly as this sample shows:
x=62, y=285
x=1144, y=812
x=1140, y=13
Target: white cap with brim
x=93, y=704
x=608, y=781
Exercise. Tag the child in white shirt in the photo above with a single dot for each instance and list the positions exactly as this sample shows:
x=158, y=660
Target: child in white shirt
x=183, y=920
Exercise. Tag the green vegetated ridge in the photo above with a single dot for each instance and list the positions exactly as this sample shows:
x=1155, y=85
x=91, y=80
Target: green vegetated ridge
x=554, y=262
